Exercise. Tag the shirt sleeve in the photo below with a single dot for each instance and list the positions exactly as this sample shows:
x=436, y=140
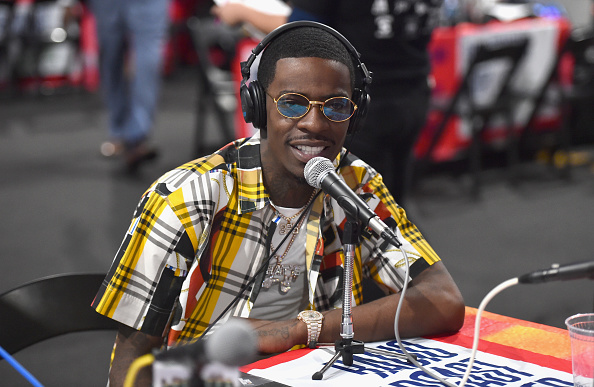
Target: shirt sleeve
x=386, y=263
x=144, y=281
x=380, y=260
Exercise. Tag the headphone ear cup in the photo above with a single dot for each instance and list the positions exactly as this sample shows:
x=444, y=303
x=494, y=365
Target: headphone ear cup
x=259, y=104
x=361, y=99
x=247, y=104
x=253, y=104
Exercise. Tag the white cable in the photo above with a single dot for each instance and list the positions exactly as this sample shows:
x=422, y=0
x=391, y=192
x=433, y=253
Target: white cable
x=477, y=326
x=477, y=323
x=396, y=330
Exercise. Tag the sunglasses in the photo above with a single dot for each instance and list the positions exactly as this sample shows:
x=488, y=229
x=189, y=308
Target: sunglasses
x=293, y=105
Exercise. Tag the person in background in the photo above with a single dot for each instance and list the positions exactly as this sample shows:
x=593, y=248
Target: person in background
x=393, y=37
x=131, y=36
x=203, y=231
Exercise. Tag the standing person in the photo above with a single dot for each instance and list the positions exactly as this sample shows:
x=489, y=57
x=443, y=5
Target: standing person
x=202, y=232
x=392, y=36
x=130, y=78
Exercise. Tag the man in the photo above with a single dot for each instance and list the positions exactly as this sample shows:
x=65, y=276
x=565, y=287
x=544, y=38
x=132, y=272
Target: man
x=203, y=230
x=131, y=36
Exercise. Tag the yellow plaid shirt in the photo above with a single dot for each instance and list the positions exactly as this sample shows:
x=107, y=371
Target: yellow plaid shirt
x=198, y=236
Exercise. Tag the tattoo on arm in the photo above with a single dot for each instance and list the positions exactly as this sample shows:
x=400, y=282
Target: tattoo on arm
x=283, y=332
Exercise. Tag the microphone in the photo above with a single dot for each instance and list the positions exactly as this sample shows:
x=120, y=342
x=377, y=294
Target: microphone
x=558, y=272
x=214, y=358
x=234, y=343
x=319, y=173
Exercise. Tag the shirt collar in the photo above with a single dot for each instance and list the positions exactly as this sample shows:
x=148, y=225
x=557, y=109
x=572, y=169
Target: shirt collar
x=252, y=194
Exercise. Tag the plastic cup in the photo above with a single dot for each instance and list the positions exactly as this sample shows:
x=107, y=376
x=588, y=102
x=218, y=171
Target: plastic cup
x=581, y=333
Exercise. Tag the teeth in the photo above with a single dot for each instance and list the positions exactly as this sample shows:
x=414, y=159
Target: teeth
x=310, y=150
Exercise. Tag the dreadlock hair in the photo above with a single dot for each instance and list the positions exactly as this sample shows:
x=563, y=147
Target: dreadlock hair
x=303, y=42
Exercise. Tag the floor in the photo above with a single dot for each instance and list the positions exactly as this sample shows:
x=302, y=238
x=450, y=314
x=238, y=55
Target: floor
x=65, y=209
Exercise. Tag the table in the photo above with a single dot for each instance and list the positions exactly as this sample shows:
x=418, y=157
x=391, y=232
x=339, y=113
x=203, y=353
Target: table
x=512, y=352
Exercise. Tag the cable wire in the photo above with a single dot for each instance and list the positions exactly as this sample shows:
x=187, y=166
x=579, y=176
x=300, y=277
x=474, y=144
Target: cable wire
x=136, y=366
x=20, y=369
x=477, y=326
x=477, y=323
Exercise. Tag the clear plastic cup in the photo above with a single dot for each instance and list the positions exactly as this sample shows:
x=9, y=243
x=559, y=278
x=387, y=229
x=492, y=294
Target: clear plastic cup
x=581, y=333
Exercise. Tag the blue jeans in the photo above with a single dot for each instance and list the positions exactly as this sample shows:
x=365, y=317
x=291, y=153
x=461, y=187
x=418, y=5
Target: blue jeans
x=132, y=31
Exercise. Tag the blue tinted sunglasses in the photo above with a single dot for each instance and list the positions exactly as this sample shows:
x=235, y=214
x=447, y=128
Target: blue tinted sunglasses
x=293, y=105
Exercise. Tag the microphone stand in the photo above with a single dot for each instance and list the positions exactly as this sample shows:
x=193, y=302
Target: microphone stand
x=346, y=346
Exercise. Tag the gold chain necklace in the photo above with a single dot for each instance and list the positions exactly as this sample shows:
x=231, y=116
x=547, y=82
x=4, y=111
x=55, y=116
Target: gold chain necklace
x=277, y=272
x=286, y=227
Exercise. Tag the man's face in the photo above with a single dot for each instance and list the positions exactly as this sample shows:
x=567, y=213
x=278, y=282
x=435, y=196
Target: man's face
x=288, y=144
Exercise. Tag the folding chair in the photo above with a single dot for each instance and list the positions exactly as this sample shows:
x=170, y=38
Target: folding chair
x=580, y=91
x=6, y=70
x=580, y=47
x=479, y=114
x=50, y=307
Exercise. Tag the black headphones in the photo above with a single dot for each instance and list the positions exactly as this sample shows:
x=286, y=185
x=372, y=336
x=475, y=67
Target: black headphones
x=253, y=96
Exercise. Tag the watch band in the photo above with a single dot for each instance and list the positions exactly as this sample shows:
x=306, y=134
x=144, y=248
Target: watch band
x=313, y=320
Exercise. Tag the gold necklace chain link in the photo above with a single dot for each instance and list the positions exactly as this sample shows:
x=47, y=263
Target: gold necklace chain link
x=284, y=275
x=295, y=232
x=276, y=211
x=286, y=227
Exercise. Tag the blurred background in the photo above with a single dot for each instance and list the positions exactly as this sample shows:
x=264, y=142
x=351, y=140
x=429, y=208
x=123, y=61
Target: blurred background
x=65, y=207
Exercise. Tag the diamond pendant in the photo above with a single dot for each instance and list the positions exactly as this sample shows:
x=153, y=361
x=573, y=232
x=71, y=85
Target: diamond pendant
x=269, y=281
x=285, y=228
x=285, y=286
x=270, y=274
x=281, y=274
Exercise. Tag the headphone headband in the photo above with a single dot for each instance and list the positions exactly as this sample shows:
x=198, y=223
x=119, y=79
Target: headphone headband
x=253, y=101
x=246, y=65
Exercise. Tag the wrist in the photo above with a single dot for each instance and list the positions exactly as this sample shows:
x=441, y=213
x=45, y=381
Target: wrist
x=313, y=326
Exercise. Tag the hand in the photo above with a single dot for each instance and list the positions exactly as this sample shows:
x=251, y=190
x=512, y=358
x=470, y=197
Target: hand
x=230, y=13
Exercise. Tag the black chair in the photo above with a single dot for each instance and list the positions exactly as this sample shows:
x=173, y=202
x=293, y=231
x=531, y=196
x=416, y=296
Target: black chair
x=580, y=47
x=578, y=93
x=9, y=48
x=50, y=307
x=479, y=114
x=50, y=51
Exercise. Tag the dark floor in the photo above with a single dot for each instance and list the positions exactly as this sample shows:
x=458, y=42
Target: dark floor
x=65, y=209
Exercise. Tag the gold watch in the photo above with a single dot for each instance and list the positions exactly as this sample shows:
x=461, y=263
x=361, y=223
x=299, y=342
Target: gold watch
x=313, y=319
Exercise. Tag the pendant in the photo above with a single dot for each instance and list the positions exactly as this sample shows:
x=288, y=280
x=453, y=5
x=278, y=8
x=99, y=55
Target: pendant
x=282, y=275
x=285, y=286
x=290, y=274
x=269, y=281
x=270, y=274
x=285, y=228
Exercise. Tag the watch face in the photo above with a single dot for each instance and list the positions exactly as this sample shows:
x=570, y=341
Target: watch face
x=310, y=314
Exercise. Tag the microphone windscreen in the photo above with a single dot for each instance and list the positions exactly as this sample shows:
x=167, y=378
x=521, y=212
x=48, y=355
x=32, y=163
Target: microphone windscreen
x=234, y=343
x=316, y=169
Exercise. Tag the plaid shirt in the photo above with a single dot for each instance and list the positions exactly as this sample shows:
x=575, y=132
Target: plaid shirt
x=199, y=233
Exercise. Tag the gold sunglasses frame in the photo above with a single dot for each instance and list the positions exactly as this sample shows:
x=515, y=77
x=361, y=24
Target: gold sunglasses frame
x=320, y=103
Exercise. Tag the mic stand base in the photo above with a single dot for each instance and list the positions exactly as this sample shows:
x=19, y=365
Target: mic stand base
x=345, y=348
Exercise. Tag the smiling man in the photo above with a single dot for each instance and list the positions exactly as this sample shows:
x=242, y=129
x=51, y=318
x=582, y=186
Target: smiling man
x=240, y=233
